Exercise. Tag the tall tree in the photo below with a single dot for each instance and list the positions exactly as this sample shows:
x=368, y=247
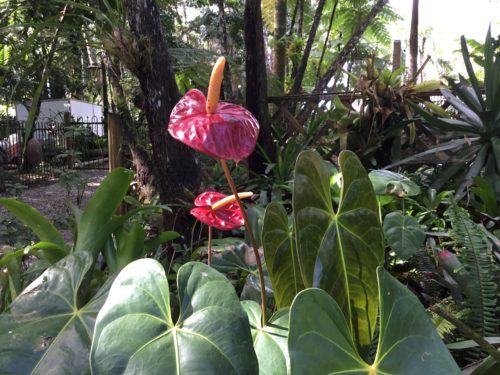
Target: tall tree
x=279, y=51
x=140, y=157
x=173, y=164
x=297, y=82
x=256, y=81
x=325, y=44
x=413, y=42
x=227, y=84
x=396, y=55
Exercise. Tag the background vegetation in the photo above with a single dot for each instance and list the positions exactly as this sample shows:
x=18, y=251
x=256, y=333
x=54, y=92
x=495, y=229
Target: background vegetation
x=376, y=207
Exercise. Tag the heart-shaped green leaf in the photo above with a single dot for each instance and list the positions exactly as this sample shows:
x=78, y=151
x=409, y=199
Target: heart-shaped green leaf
x=281, y=257
x=388, y=182
x=235, y=257
x=404, y=234
x=45, y=329
x=136, y=334
x=269, y=341
x=339, y=252
x=320, y=343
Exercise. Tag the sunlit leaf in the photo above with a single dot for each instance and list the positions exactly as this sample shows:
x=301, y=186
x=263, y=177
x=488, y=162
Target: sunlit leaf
x=339, y=251
x=408, y=344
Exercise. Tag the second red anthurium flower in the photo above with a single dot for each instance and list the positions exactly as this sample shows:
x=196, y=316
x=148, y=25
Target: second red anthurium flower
x=220, y=130
x=218, y=210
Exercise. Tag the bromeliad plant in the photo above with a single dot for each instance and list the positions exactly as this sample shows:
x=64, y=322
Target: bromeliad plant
x=220, y=130
x=474, y=124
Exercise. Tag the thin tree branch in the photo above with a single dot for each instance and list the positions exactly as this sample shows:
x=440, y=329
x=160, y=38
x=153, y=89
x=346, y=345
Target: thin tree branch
x=332, y=17
x=297, y=83
x=346, y=51
x=343, y=55
x=292, y=24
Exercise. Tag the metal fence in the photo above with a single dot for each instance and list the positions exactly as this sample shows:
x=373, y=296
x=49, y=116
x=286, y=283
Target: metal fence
x=52, y=148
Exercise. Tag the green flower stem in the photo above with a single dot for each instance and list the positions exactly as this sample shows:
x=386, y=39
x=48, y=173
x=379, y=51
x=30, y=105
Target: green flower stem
x=248, y=227
x=209, y=246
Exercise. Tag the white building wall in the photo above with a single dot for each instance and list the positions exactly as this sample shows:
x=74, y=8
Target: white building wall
x=53, y=110
x=80, y=109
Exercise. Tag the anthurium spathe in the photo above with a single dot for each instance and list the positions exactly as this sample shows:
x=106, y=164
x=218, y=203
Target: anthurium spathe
x=218, y=129
x=224, y=131
x=218, y=210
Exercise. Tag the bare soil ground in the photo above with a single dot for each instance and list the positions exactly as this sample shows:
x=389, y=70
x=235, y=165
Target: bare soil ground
x=52, y=199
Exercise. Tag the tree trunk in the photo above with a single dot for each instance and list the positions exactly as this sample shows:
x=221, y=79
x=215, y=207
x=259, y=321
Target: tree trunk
x=300, y=24
x=294, y=17
x=297, y=82
x=256, y=82
x=227, y=85
x=279, y=52
x=396, y=55
x=173, y=164
x=413, y=43
x=330, y=24
x=139, y=155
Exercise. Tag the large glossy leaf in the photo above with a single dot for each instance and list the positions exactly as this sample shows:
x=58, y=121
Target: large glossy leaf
x=270, y=340
x=235, y=257
x=403, y=234
x=96, y=223
x=43, y=229
x=319, y=340
x=340, y=251
x=388, y=182
x=46, y=330
x=281, y=257
x=136, y=334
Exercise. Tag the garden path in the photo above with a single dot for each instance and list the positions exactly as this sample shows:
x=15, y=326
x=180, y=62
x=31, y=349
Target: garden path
x=52, y=200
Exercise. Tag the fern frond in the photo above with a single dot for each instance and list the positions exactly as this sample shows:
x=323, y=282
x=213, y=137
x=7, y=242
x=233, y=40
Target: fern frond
x=444, y=328
x=475, y=254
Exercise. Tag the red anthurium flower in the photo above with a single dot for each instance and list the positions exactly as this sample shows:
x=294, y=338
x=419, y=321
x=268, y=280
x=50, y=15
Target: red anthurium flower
x=220, y=130
x=213, y=209
x=229, y=133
